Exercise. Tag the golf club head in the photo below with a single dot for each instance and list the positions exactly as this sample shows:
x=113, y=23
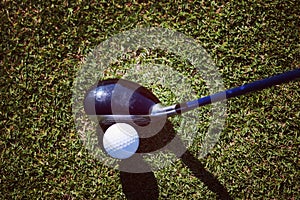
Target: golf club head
x=119, y=100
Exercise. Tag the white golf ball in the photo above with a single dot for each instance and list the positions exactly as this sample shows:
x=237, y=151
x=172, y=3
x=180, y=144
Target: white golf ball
x=121, y=141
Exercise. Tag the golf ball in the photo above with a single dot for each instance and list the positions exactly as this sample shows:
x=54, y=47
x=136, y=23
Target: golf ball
x=121, y=141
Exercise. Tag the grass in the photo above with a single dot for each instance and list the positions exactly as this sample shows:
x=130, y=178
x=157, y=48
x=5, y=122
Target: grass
x=43, y=46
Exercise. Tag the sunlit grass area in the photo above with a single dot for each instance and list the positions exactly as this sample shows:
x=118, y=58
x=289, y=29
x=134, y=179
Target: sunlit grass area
x=43, y=46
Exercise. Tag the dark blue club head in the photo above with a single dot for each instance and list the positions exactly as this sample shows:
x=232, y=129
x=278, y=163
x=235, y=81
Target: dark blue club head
x=119, y=97
x=126, y=96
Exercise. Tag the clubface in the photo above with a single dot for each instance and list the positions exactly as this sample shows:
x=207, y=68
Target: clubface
x=119, y=97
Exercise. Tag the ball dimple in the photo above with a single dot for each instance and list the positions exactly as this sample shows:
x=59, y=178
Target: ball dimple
x=121, y=141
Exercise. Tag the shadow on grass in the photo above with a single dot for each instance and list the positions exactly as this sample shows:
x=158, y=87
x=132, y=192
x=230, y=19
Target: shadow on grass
x=144, y=186
x=138, y=185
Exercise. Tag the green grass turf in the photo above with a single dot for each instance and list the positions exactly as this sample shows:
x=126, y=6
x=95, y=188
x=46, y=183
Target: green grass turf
x=43, y=46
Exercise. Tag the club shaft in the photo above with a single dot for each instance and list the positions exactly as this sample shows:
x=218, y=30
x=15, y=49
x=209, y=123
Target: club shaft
x=237, y=91
x=190, y=105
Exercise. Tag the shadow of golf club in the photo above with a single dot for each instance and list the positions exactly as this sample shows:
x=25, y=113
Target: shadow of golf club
x=144, y=185
x=209, y=180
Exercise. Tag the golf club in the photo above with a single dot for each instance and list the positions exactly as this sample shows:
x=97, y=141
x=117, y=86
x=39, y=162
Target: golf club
x=143, y=106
